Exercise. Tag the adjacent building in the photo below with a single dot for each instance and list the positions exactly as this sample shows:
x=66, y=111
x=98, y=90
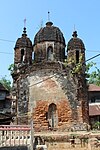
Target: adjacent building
x=5, y=106
x=94, y=105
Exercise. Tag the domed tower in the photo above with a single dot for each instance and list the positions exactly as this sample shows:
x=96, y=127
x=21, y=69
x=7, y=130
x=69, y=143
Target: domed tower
x=76, y=52
x=76, y=61
x=23, y=50
x=49, y=44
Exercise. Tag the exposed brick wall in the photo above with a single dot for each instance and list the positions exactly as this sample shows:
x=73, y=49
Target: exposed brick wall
x=39, y=116
x=64, y=112
x=40, y=85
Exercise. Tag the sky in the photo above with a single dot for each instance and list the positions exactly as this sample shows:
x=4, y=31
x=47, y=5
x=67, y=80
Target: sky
x=69, y=15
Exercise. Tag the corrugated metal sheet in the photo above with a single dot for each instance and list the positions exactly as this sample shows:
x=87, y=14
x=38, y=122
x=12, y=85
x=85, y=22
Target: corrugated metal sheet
x=94, y=109
x=93, y=88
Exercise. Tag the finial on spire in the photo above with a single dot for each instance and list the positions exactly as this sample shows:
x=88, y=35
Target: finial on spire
x=25, y=23
x=74, y=34
x=24, y=29
x=41, y=24
x=74, y=27
x=49, y=23
x=48, y=16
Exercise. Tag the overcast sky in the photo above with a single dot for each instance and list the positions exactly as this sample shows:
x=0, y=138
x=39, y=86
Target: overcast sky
x=83, y=15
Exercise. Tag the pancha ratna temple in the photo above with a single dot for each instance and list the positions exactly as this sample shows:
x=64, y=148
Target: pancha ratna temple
x=50, y=88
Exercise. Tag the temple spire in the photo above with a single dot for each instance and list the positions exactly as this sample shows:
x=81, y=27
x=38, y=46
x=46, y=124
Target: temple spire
x=48, y=16
x=74, y=34
x=24, y=29
x=25, y=23
x=74, y=27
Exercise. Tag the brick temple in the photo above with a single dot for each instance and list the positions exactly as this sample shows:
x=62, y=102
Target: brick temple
x=49, y=87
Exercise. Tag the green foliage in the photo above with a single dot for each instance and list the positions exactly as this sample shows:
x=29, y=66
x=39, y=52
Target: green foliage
x=97, y=125
x=11, y=68
x=77, y=68
x=89, y=65
x=6, y=83
x=94, y=76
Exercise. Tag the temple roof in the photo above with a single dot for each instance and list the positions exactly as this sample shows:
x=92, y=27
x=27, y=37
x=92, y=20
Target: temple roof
x=49, y=33
x=75, y=42
x=24, y=41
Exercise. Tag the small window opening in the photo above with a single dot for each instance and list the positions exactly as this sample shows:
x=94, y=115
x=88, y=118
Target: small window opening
x=50, y=53
x=22, y=55
x=32, y=55
x=77, y=56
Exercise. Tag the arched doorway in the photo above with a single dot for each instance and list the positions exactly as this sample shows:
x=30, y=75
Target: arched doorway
x=52, y=115
x=50, y=53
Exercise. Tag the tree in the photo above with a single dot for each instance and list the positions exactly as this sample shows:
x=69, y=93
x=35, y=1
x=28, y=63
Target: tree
x=6, y=83
x=94, y=76
x=11, y=68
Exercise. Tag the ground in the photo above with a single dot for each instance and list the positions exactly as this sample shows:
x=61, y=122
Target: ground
x=91, y=144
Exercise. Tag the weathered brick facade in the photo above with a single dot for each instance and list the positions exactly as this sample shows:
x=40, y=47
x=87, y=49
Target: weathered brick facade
x=49, y=90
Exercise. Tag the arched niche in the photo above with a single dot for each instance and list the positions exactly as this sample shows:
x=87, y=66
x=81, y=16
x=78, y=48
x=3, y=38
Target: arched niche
x=52, y=115
x=50, y=56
